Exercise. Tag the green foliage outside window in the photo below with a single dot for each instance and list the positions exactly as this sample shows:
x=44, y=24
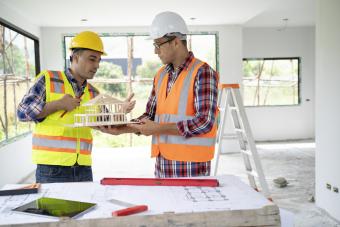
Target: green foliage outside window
x=111, y=71
x=17, y=68
x=148, y=69
x=270, y=82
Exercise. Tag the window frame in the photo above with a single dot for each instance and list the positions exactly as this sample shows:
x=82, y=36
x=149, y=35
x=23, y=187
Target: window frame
x=36, y=41
x=298, y=79
x=127, y=34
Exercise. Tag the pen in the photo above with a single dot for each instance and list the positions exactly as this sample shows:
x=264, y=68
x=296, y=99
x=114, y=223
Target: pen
x=130, y=210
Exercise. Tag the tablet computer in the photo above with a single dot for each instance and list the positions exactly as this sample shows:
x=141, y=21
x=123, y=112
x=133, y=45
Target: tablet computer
x=56, y=208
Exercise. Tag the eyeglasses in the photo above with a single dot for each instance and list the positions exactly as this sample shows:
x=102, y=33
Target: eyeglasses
x=158, y=45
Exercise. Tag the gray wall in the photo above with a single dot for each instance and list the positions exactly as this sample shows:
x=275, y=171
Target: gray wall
x=285, y=122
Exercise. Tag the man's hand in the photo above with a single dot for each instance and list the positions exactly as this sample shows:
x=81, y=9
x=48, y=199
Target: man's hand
x=68, y=103
x=128, y=104
x=147, y=127
x=115, y=129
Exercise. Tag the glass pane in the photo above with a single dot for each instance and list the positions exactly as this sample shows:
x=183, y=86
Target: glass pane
x=150, y=63
x=17, y=68
x=271, y=82
x=116, y=50
x=204, y=48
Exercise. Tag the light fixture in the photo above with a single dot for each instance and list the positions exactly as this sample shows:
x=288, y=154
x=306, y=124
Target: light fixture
x=83, y=20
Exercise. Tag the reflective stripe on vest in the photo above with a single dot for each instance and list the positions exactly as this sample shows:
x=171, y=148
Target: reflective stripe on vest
x=55, y=143
x=93, y=92
x=52, y=142
x=198, y=148
x=61, y=144
x=57, y=82
x=180, y=139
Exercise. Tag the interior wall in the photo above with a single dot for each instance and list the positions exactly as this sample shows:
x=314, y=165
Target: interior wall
x=284, y=122
x=15, y=158
x=327, y=109
x=15, y=161
x=19, y=21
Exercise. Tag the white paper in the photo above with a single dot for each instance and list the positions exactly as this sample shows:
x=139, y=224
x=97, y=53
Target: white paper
x=232, y=194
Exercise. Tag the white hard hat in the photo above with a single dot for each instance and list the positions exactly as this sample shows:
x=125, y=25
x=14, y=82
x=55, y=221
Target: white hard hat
x=167, y=22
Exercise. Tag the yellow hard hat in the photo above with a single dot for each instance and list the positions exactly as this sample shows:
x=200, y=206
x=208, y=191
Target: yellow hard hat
x=88, y=40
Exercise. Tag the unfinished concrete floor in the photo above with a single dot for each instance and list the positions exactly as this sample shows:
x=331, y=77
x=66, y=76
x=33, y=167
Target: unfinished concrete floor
x=293, y=160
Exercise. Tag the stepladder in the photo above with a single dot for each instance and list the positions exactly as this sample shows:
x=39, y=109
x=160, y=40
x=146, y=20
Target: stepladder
x=231, y=109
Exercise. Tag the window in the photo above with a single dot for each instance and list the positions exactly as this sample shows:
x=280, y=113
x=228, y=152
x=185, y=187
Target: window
x=130, y=66
x=19, y=63
x=271, y=81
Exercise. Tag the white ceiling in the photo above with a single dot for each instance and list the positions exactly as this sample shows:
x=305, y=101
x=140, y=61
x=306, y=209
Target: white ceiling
x=249, y=13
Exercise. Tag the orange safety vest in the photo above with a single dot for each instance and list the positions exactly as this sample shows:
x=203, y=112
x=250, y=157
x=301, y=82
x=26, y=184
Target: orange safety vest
x=178, y=105
x=54, y=143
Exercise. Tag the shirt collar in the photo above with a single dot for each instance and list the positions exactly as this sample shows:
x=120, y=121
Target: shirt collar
x=71, y=78
x=169, y=67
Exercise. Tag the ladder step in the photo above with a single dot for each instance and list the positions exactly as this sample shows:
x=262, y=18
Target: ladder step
x=252, y=173
x=247, y=152
x=229, y=136
x=239, y=130
x=233, y=107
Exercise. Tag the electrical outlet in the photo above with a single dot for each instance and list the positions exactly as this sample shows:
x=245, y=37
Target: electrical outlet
x=336, y=189
x=328, y=186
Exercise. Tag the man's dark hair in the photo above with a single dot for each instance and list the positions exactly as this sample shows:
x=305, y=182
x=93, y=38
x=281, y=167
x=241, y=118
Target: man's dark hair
x=76, y=51
x=171, y=37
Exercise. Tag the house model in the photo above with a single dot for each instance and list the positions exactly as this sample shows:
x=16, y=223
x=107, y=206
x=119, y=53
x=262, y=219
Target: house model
x=102, y=110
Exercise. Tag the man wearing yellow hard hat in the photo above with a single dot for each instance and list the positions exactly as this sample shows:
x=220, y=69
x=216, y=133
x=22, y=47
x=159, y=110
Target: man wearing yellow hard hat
x=63, y=154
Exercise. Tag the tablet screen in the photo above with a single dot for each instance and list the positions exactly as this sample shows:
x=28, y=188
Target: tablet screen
x=55, y=207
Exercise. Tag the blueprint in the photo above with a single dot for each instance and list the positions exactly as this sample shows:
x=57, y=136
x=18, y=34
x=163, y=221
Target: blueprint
x=232, y=194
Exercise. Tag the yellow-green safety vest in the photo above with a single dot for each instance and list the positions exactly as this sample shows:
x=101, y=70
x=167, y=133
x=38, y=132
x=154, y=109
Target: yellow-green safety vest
x=53, y=143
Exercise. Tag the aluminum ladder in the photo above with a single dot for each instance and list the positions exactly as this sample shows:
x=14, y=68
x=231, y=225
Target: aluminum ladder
x=233, y=106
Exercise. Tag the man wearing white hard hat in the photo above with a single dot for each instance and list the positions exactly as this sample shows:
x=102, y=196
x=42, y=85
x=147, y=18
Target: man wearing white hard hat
x=181, y=110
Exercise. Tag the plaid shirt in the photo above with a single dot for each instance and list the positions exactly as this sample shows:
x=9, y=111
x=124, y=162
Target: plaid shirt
x=205, y=104
x=171, y=169
x=34, y=101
